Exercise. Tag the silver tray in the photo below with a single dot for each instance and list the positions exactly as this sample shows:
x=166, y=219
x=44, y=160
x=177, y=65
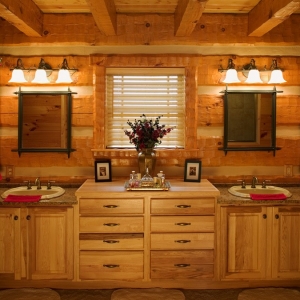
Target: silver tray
x=148, y=188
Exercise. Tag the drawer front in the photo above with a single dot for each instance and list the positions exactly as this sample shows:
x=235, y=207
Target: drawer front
x=182, y=264
x=111, y=206
x=199, y=206
x=182, y=223
x=110, y=241
x=110, y=265
x=161, y=241
x=111, y=224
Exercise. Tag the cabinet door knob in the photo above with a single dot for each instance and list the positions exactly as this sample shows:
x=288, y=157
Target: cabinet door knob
x=28, y=217
x=183, y=206
x=16, y=218
x=110, y=206
x=110, y=241
x=111, y=266
x=264, y=216
x=183, y=224
x=111, y=224
x=276, y=216
x=183, y=241
x=181, y=265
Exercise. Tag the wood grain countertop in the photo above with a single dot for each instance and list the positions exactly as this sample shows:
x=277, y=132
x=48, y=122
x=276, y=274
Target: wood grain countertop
x=204, y=188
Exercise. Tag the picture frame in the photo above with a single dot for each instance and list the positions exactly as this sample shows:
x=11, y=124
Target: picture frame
x=192, y=170
x=102, y=170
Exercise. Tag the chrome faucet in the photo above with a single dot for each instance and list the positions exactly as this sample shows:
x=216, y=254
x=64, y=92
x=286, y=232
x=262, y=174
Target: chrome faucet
x=254, y=182
x=38, y=183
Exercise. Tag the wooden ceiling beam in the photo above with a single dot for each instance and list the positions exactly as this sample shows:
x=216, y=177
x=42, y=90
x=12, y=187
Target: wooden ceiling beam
x=105, y=15
x=187, y=15
x=24, y=15
x=267, y=14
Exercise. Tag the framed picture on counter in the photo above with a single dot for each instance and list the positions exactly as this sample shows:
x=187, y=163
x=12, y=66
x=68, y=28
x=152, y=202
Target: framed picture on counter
x=192, y=170
x=102, y=170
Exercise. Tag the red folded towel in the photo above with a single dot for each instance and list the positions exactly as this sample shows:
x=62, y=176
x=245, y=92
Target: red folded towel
x=268, y=196
x=22, y=198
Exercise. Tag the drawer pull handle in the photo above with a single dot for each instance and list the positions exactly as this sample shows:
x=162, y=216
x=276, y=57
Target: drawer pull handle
x=110, y=241
x=182, y=265
x=16, y=218
x=111, y=224
x=183, y=241
x=183, y=224
x=276, y=216
x=183, y=206
x=110, y=206
x=111, y=266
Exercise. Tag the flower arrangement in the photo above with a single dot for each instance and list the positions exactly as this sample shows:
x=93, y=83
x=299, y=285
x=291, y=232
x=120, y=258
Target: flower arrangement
x=146, y=133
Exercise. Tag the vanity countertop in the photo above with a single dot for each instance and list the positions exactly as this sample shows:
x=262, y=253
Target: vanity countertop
x=227, y=198
x=68, y=198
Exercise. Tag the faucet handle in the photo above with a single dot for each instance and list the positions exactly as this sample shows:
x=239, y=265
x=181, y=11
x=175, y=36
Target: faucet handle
x=243, y=183
x=264, y=183
x=28, y=184
x=49, y=184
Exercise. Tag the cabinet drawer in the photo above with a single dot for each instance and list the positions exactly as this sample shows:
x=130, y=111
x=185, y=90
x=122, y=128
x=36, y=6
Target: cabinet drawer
x=111, y=224
x=182, y=264
x=182, y=223
x=110, y=265
x=110, y=241
x=162, y=241
x=111, y=206
x=199, y=206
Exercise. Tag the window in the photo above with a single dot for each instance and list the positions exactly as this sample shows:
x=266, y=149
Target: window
x=131, y=92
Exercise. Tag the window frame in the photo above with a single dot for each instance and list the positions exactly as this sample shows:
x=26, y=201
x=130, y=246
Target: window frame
x=124, y=109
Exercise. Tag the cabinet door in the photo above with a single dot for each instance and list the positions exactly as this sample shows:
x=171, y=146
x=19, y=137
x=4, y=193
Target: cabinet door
x=10, y=246
x=243, y=242
x=50, y=242
x=286, y=242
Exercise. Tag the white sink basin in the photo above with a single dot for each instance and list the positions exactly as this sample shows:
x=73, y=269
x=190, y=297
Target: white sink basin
x=54, y=192
x=245, y=192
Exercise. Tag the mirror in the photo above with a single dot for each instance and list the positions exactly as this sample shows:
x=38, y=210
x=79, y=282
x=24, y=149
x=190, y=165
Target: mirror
x=250, y=121
x=44, y=121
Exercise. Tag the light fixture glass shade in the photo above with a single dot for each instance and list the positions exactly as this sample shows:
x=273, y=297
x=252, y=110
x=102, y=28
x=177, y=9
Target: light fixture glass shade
x=253, y=77
x=276, y=77
x=40, y=76
x=17, y=76
x=64, y=76
x=231, y=76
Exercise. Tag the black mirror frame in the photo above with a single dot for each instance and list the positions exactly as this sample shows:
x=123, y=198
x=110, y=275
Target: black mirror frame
x=20, y=148
x=273, y=147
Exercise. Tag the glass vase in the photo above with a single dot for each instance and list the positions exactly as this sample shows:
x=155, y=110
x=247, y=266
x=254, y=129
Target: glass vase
x=147, y=159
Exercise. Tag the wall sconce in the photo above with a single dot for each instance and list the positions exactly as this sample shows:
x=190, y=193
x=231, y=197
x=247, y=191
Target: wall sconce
x=64, y=73
x=231, y=73
x=41, y=74
x=276, y=74
x=43, y=71
x=253, y=75
x=17, y=73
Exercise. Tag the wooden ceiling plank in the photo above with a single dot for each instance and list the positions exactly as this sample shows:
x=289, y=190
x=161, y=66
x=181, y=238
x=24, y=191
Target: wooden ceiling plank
x=267, y=14
x=187, y=15
x=105, y=15
x=24, y=15
x=143, y=6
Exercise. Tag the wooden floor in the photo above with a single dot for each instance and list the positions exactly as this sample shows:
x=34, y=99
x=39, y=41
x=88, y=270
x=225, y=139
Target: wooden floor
x=189, y=294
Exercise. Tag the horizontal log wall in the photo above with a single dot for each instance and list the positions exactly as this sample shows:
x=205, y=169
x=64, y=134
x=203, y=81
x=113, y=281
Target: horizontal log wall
x=204, y=119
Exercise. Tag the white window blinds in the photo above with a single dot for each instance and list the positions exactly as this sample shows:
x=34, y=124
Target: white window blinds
x=131, y=92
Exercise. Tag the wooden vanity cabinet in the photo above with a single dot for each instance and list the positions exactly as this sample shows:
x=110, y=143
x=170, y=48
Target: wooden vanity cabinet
x=145, y=239
x=37, y=243
x=111, y=239
x=10, y=243
x=260, y=242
